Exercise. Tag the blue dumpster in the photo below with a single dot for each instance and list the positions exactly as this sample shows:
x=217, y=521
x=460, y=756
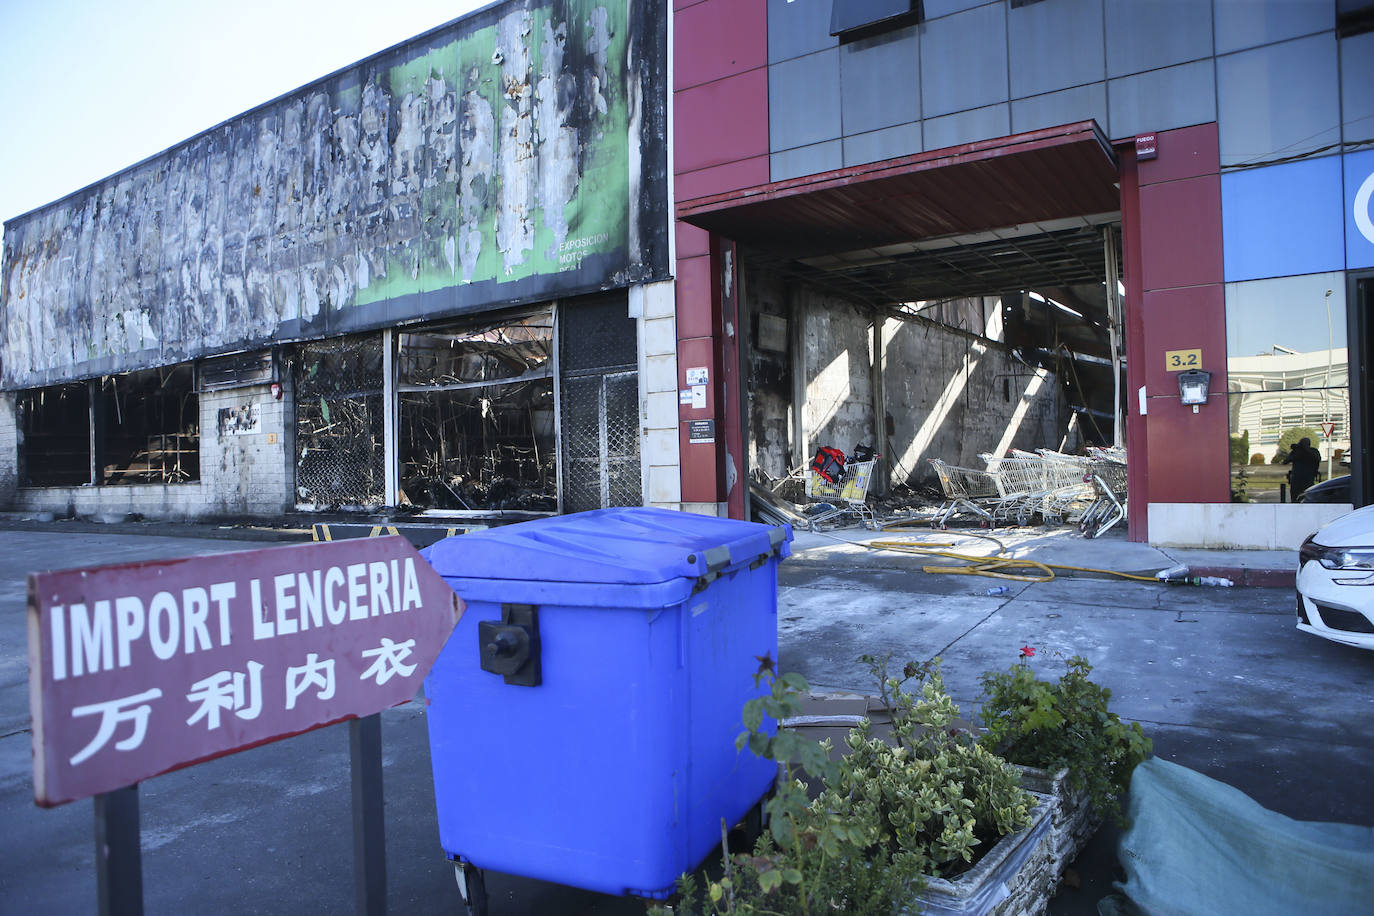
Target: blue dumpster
x=582, y=717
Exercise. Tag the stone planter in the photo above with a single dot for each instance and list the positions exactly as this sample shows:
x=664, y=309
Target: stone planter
x=1013, y=879
x=1073, y=821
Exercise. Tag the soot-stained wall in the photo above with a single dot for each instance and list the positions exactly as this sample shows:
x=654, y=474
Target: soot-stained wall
x=955, y=395
x=514, y=155
x=949, y=393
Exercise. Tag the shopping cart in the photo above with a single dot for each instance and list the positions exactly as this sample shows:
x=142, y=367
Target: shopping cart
x=1045, y=483
x=1022, y=487
x=968, y=491
x=1107, y=477
x=846, y=496
x=1068, y=491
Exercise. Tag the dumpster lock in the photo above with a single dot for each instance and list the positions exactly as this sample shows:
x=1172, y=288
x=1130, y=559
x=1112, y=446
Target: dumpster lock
x=511, y=647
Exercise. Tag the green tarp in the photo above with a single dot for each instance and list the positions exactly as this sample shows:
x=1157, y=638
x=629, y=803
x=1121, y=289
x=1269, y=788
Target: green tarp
x=1197, y=846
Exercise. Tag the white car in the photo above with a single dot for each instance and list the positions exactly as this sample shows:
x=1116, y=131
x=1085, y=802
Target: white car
x=1336, y=580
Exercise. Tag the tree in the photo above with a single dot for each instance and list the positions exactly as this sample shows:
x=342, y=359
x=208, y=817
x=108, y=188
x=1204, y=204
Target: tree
x=1290, y=438
x=1240, y=448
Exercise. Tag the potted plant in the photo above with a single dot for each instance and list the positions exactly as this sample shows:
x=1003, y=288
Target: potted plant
x=887, y=827
x=1068, y=742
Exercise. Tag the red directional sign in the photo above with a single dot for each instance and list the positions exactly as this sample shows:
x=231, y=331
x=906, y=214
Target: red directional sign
x=139, y=669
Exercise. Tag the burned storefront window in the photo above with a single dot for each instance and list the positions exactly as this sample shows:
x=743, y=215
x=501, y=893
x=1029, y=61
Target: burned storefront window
x=598, y=362
x=55, y=436
x=148, y=427
x=340, y=458
x=146, y=430
x=477, y=415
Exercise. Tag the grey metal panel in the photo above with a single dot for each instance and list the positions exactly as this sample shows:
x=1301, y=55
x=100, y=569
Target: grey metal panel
x=1357, y=87
x=964, y=61
x=808, y=160
x=804, y=100
x=888, y=143
x=967, y=126
x=1278, y=100
x=797, y=27
x=1242, y=24
x=1162, y=99
x=1147, y=35
x=1053, y=45
x=880, y=81
x=934, y=9
x=1062, y=107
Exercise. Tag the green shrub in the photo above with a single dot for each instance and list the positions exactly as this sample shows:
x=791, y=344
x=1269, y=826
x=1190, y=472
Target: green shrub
x=1290, y=438
x=1063, y=723
x=885, y=817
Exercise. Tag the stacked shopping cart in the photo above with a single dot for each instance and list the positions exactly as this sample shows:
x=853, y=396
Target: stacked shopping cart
x=1052, y=486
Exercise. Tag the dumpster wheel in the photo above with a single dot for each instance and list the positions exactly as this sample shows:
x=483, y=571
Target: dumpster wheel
x=472, y=886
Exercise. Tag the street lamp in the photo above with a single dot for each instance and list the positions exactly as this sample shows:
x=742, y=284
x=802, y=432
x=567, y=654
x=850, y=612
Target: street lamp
x=1326, y=391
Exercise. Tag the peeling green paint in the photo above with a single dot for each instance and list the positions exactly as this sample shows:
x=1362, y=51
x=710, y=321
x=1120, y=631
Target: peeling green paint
x=596, y=215
x=348, y=202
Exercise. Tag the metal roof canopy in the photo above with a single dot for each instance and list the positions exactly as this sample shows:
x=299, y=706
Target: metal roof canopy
x=1041, y=175
x=1019, y=212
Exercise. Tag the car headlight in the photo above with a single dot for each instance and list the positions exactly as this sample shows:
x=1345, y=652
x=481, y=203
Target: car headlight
x=1353, y=559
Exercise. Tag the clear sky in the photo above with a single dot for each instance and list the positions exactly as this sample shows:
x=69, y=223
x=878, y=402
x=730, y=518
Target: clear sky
x=88, y=87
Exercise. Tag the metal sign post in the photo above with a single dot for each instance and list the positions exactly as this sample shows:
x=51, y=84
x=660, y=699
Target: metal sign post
x=369, y=834
x=118, y=853
x=139, y=669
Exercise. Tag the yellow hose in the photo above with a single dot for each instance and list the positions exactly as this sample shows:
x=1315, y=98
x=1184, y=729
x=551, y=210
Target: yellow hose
x=995, y=566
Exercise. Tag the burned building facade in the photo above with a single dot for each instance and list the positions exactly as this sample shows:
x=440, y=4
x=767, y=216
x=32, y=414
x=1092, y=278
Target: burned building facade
x=950, y=227
x=438, y=278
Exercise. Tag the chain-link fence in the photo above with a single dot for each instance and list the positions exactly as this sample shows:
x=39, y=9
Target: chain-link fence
x=339, y=423
x=598, y=358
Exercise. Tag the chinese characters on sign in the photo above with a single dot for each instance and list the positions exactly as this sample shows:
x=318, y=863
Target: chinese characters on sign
x=140, y=669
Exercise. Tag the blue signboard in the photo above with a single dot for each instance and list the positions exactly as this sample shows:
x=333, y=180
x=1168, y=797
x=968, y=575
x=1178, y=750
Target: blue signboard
x=1283, y=220
x=1359, y=210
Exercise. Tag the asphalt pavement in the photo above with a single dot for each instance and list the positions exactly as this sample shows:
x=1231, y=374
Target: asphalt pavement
x=1220, y=679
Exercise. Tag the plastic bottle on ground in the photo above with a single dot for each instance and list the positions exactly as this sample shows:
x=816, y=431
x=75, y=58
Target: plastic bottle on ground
x=1000, y=590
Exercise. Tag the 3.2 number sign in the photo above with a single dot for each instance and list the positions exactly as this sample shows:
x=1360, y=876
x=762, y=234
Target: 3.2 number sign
x=1178, y=360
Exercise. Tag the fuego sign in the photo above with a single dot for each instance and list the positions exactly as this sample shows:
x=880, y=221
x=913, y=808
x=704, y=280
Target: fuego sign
x=139, y=669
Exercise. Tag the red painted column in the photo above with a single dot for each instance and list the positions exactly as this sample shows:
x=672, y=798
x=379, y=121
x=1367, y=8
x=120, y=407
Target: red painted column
x=698, y=368
x=1137, y=443
x=720, y=143
x=1176, y=300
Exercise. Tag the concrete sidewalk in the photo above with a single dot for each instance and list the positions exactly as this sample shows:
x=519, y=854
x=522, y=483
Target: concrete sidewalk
x=1071, y=554
x=1063, y=548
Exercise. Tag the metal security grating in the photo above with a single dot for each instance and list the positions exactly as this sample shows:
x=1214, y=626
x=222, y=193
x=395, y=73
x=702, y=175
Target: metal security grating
x=598, y=358
x=339, y=423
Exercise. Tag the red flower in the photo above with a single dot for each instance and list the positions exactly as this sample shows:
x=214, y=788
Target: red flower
x=1027, y=651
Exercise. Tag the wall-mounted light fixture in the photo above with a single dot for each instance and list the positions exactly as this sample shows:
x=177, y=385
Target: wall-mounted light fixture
x=1192, y=387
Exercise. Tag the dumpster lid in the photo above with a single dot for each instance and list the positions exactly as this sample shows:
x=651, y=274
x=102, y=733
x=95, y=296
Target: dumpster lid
x=631, y=546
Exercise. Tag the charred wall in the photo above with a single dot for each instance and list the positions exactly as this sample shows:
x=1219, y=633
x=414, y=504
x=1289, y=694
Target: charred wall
x=770, y=374
x=950, y=392
x=839, y=381
x=953, y=395
x=515, y=155
x=9, y=446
